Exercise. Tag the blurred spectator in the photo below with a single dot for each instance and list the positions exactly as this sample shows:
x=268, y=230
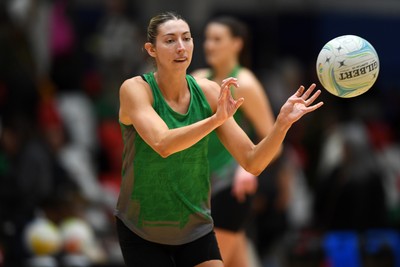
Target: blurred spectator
x=120, y=56
x=32, y=18
x=282, y=205
x=349, y=192
x=32, y=179
x=387, y=148
x=119, y=53
x=18, y=89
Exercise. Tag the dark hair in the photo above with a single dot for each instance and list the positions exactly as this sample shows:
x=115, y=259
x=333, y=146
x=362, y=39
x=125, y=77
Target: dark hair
x=238, y=29
x=152, y=28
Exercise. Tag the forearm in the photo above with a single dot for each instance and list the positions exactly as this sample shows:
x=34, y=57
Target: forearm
x=255, y=158
x=267, y=149
x=295, y=107
x=178, y=139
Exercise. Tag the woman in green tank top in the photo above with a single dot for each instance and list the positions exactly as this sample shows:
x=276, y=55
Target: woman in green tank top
x=163, y=209
x=227, y=54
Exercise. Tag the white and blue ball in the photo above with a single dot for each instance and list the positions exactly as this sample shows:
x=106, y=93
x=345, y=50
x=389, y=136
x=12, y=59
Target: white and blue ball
x=347, y=66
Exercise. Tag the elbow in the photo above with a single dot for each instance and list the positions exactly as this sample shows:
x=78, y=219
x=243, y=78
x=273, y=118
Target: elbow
x=256, y=172
x=162, y=150
x=253, y=169
x=164, y=154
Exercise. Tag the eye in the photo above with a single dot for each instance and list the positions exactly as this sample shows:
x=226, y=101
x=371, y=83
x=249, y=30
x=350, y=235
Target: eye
x=170, y=41
x=217, y=39
x=187, y=39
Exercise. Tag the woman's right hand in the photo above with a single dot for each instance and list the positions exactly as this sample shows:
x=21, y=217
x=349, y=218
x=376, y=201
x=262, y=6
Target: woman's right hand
x=227, y=105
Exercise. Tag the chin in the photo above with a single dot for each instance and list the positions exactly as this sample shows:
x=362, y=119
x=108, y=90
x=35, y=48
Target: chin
x=211, y=61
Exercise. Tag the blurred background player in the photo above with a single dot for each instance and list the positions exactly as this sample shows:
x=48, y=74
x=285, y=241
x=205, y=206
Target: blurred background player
x=226, y=53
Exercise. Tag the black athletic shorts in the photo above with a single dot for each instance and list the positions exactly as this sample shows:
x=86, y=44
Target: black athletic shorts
x=138, y=252
x=228, y=213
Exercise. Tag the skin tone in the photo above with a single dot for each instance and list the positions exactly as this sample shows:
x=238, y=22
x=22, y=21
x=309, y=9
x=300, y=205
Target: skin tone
x=172, y=53
x=222, y=51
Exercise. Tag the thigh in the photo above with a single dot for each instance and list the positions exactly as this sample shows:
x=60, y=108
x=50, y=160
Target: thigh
x=204, y=249
x=240, y=255
x=138, y=252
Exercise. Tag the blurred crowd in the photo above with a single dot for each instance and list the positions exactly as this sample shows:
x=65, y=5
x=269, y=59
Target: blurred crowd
x=61, y=65
x=60, y=156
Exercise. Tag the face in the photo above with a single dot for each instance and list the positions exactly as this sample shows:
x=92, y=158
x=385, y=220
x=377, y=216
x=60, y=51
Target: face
x=219, y=46
x=174, y=45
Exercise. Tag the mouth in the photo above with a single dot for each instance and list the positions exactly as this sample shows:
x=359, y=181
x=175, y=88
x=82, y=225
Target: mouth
x=210, y=55
x=210, y=52
x=180, y=60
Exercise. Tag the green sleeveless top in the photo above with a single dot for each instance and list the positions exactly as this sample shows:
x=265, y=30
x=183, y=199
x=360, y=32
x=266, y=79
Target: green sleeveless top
x=166, y=200
x=222, y=163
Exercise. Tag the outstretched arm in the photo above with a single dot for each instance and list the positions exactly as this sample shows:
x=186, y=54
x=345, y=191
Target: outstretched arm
x=255, y=158
x=136, y=109
x=257, y=110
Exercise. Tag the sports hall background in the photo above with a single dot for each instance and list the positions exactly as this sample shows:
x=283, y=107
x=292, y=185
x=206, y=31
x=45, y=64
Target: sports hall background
x=333, y=199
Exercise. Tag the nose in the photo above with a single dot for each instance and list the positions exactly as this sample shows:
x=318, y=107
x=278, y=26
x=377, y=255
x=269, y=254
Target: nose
x=209, y=45
x=181, y=45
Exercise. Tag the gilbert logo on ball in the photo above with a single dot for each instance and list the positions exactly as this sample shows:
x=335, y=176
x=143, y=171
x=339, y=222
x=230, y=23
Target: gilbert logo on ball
x=347, y=66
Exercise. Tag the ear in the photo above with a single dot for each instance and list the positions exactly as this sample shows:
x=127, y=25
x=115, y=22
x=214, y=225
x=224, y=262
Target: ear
x=150, y=49
x=238, y=44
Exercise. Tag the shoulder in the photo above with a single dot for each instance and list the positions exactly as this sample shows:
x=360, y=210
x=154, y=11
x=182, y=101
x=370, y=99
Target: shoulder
x=210, y=89
x=207, y=85
x=134, y=94
x=134, y=85
x=136, y=81
x=135, y=89
x=201, y=73
x=247, y=77
x=248, y=82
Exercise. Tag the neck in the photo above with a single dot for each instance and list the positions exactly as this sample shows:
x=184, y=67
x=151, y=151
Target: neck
x=171, y=84
x=222, y=71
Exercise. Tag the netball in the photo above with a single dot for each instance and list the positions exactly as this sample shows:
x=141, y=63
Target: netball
x=347, y=66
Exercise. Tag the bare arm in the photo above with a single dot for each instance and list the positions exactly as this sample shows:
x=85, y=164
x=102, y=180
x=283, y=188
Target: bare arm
x=258, y=112
x=136, y=109
x=255, y=158
x=256, y=108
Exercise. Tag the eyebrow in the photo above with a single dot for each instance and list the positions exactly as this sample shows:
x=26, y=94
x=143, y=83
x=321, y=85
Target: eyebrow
x=173, y=34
